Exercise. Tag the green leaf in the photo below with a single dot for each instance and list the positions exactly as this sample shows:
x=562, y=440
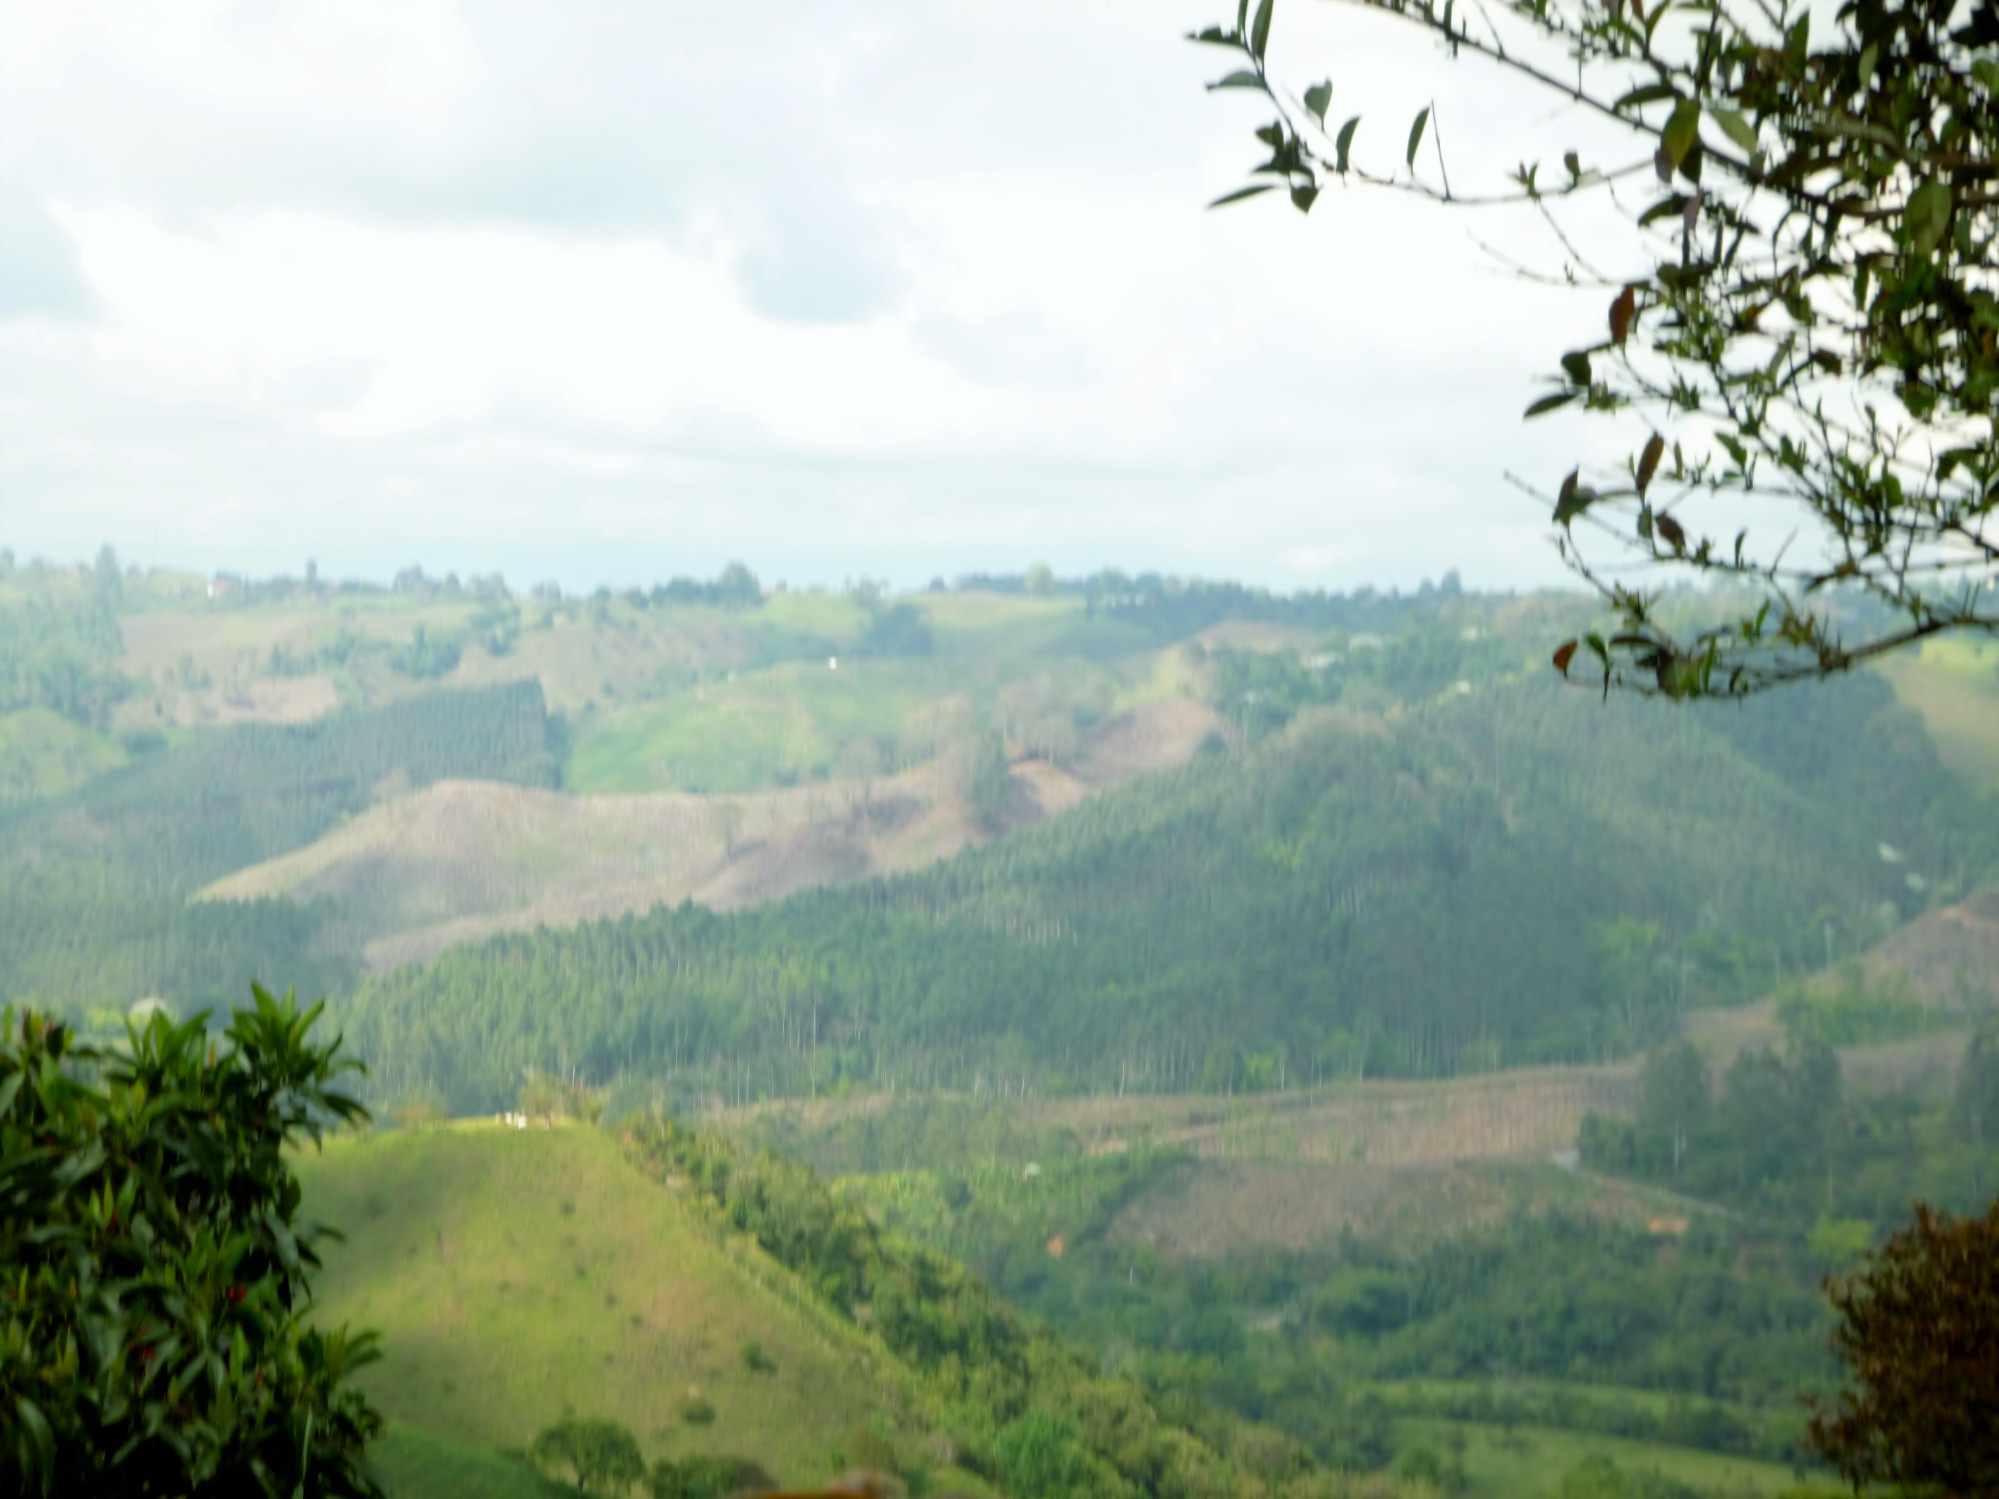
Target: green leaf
x=1416, y=134
x=1259, y=32
x=1928, y=216
x=1344, y=143
x=1736, y=128
x=1303, y=196
x=1576, y=367
x=1650, y=93
x=1243, y=192
x=1240, y=78
x=1214, y=36
x=1317, y=98
x=1554, y=402
x=1682, y=129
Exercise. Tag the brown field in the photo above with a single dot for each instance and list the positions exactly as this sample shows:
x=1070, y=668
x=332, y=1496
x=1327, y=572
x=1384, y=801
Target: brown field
x=462, y=860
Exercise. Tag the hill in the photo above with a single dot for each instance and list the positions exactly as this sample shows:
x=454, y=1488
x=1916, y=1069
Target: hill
x=459, y=860
x=717, y=1303
x=517, y=1275
x=1492, y=878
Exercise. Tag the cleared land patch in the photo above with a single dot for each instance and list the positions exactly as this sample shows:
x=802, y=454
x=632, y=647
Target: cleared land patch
x=462, y=860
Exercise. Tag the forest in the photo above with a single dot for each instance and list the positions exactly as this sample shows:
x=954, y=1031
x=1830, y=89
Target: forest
x=1500, y=879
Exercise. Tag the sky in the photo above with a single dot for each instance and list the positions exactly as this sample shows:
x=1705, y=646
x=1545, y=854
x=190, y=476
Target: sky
x=606, y=292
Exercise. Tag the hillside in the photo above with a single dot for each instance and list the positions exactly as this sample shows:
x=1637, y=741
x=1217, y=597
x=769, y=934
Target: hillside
x=516, y=1275
x=722, y=1304
x=1496, y=878
x=458, y=861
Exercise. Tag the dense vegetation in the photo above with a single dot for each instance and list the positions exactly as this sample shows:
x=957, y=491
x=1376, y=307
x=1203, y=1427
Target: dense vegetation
x=154, y=1335
x=1026, y=1410
x=95, y=886
x=1498, y=878
x=1784, y=1138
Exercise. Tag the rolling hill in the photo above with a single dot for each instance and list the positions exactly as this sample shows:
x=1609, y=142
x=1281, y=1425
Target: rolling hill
x=519, y=1275
x=717, y=1304
x=461, y=860
x=1498, y=878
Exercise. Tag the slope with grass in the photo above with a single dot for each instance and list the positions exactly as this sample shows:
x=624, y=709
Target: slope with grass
x=520, y=1274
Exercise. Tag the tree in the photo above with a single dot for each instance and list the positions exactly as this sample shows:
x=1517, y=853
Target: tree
x=1808, y=313
x=154, y=1337
x=1917, y=1329
x=600, y=1456
x=1976, y=1104
x=1673, y=1103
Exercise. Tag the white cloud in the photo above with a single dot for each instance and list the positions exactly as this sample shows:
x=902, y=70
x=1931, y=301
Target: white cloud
x=601, y=290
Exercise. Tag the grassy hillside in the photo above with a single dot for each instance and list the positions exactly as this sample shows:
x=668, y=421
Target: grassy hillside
x=517, y=1275
x=722, y=1304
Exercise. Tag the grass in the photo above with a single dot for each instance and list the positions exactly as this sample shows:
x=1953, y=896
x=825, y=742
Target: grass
x=43, y=754
x=1528, y=1462
x=414, y=1465
x=518, y=1275
x=785, y=723
x=1954, y=685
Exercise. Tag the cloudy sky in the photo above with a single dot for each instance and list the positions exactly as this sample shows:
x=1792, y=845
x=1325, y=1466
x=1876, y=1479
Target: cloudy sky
x=610, y=291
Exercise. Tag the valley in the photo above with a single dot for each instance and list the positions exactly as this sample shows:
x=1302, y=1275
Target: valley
x=1269, y=998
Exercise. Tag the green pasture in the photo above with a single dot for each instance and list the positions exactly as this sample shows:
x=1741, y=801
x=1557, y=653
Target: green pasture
x=415, y=1465
x=43, y=754
x=1954, y=685
x=784, y=724
x=518, y=1275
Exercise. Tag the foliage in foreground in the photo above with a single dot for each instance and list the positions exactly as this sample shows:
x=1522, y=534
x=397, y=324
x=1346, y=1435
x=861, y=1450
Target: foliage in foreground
x=1814, y=321
x=152, y=1330
x=1918, y=1329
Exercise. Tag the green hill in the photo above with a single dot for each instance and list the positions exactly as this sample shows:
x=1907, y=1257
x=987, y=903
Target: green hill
x=721, y=1304
x=1499, y=877
x=520, y=1274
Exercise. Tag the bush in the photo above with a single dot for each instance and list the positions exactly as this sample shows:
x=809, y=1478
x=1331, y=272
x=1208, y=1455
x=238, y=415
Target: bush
x=697, y=1410
x=756, y=1360
x=708, y=1478
x=154, y=1338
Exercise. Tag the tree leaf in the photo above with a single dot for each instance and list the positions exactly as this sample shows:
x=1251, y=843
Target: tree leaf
x=1243, y=192
x=1564, y=654
x=1928, y=216
x=1318, y=98
x=1240, y=78
x=1573, y=498
x=1554, y=402
x=1670, y=529
x=1648, y=461
x=1214, y=36
x=1650, y=93
x=1576, y=367
x=1259, y=32
x=1622, y=311
x=1344, y=143
x=1683, y=128
x=1416, y=134
x=1303, y=196
x=1736, y=128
